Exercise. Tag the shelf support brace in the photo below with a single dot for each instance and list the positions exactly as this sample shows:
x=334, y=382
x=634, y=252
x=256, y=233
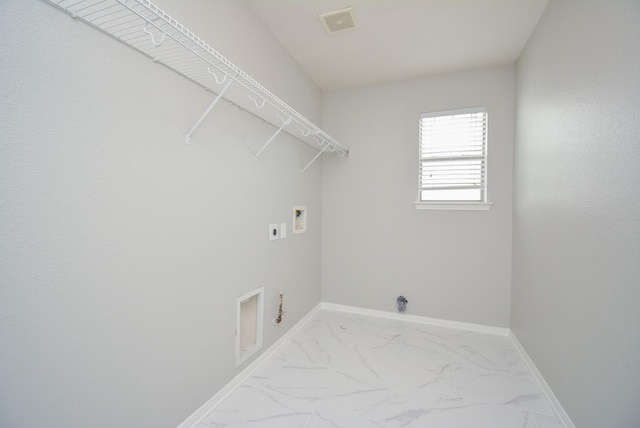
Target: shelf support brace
x=220, y=94
x=316, y=157
x=285, y=122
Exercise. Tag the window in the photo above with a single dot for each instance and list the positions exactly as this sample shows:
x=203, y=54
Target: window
x=453, y=157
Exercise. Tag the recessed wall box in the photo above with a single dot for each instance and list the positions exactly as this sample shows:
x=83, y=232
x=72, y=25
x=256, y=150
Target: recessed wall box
x=249, y=324
x=299, y=219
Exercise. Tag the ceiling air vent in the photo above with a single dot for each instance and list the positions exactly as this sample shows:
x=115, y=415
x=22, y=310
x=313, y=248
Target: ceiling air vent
x=338, y=20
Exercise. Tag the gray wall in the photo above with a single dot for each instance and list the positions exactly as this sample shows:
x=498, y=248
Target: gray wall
x=576, y=256
x=122, y=249
x=453, y=265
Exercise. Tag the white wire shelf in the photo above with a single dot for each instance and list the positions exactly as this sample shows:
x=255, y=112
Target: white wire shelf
x=146, y=28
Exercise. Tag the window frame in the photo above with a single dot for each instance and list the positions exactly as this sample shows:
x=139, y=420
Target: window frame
x=483, y=204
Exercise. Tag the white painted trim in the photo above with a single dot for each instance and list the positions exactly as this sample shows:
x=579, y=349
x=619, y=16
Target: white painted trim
x=461, y=206
x=553, y=400
x=500, y=331
x=211, y=404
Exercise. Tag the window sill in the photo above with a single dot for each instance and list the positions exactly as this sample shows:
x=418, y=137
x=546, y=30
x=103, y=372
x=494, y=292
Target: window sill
x=454, y=206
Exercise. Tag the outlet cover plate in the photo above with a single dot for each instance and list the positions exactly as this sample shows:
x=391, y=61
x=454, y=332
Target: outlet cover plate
x=274, y=232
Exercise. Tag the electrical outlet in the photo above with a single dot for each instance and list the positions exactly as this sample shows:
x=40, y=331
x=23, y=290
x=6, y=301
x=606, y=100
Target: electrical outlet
x=274, y=232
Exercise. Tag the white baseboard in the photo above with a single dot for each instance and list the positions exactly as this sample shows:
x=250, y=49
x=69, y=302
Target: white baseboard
x=553, y=400
x=211, y=404
x=501, y=331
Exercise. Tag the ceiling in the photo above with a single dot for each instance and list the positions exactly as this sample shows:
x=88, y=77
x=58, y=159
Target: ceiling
x=400, y=39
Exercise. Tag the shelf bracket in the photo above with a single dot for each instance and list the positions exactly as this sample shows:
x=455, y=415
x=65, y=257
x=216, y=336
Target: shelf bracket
x=220, y=94
x=215, y=76
x=316, y=157
x=153, y=39
x=303, y=131
x=285, y=122
x=258, y=103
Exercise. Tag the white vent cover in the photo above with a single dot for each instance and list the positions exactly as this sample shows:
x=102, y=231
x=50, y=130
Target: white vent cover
x=338, y=20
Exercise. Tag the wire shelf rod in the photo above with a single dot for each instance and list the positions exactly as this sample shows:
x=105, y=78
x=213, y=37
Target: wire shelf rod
x=189, y=56
x=243, y=78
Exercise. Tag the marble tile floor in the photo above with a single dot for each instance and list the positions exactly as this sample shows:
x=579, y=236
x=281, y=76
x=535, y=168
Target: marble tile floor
x=353, y=371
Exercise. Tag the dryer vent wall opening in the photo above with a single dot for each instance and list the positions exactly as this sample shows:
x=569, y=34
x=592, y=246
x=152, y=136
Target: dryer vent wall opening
x=249, y=324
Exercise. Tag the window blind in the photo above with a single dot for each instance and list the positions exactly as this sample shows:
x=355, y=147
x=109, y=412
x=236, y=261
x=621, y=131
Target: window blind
x=453, y=149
